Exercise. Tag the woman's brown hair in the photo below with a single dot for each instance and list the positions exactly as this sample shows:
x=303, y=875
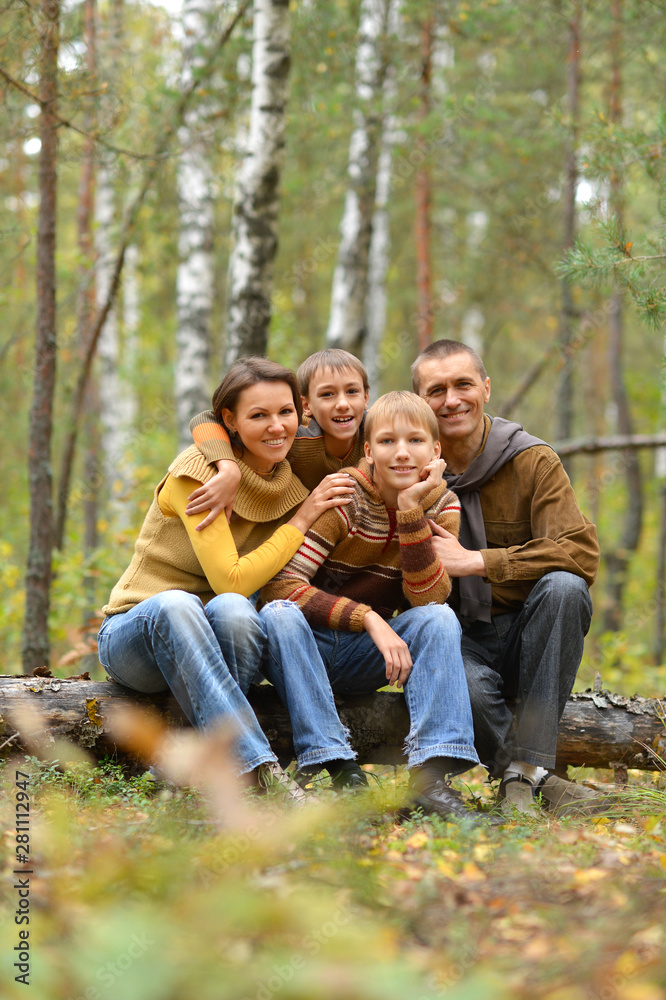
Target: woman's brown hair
x=247, y=372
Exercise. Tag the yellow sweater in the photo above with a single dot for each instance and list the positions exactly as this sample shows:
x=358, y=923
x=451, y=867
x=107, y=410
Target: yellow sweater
x=238, y=557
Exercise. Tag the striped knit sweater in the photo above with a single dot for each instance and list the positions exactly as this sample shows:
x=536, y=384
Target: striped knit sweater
x=307, y=456
x=365, y=557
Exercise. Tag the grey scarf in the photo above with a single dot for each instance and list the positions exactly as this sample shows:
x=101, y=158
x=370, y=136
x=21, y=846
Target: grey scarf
x=505, y=440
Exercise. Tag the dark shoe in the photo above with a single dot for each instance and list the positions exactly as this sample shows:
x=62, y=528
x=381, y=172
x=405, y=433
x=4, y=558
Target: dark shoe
x=517, y=794
x=442, y=800
x=348, y=775
x=566, y=798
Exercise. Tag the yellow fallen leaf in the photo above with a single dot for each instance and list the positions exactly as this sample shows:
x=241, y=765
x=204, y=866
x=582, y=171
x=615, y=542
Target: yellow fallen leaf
x=417, y=840
x=627, y=964
x=471, y=872
x=584, y=876
x=445, y=869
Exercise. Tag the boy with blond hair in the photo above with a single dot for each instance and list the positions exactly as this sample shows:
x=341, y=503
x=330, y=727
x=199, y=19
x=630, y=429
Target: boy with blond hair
x=336, y=599
x=334, y=391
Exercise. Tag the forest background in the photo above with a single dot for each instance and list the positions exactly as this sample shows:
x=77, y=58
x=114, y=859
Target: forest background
x=491, y=172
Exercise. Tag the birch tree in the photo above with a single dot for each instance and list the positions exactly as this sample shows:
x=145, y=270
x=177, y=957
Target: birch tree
x=348, y=317
x=194, y=283
x=256, y=205
x=116, y=407
x=36, y=646
x=378, y=255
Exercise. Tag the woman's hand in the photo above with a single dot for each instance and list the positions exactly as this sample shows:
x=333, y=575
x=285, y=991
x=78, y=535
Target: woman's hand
x=431, y=476
x=333, y=491
x=394, y=650
x=217, y=495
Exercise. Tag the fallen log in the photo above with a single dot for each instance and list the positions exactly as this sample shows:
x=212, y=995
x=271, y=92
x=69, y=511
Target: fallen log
x=599, y=729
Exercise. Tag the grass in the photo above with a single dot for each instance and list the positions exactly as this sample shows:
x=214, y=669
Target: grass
x=135, y=894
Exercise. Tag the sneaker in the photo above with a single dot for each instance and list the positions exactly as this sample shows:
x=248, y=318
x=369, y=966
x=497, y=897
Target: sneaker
x=566, y=798
x=517, y=794
x=348, y=775
x=157, y=779
x=271, y=779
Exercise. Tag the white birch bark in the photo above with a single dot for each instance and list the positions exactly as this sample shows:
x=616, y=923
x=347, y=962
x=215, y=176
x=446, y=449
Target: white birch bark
x=115, y=393
x=194, y=281
x=347, y=323
x=250, y=278
x=378, y=262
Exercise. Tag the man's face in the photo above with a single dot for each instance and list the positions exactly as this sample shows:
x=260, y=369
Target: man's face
x=456, y=394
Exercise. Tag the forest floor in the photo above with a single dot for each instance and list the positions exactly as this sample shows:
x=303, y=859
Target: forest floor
x=136, y=894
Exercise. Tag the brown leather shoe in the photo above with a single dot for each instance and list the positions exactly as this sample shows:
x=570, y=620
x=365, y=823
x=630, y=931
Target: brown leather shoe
x=566, y=798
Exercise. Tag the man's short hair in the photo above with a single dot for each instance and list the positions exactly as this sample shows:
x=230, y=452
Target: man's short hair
x=334, y=358
x=441, y=349
x=401, y=403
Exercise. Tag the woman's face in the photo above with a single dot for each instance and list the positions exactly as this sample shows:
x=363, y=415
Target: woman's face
x=266, y=421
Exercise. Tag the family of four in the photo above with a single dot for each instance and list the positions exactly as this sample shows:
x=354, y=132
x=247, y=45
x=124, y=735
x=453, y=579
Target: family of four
x=420, y=543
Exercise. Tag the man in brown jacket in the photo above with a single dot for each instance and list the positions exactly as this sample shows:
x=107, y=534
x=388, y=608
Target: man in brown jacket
x=524, y=562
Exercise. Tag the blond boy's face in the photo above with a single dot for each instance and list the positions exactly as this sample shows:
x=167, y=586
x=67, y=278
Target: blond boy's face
x=398, y=452
x=337, y=401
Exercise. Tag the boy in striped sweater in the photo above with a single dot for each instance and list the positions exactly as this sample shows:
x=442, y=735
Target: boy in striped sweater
x=359, y=565
x=334, y=391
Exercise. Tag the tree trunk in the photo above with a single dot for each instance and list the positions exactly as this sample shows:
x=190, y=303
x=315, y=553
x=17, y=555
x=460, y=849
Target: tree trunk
x=194, y=282
x=36, y=646
x=378, y=262
x=347, y=326
x=378, y=256
x=116, y=406
x=255, y=213
x=124, y=237
x=598, y=729
x=86, y=306
x=423, y=203
x=565, y=393
x=617, y=560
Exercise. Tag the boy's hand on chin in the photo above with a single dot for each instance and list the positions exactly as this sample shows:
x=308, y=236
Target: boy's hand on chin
x=431, y=476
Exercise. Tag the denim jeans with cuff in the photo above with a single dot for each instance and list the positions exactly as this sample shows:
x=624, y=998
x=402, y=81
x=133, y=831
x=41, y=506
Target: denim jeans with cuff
x=436, y=691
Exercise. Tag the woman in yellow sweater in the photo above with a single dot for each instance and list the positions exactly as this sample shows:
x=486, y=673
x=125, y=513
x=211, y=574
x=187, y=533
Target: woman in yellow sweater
x=180, y=618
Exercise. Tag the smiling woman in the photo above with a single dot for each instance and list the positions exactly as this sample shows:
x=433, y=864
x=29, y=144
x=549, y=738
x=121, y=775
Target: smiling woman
x=180, y=619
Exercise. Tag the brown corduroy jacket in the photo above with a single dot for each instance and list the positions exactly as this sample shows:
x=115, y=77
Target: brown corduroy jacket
x=533, y=526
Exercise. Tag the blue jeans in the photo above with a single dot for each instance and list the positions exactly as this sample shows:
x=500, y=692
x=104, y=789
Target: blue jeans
x=295, y=669
x=436, y=691
x=529, y=659
x=204, y=655
x=208, y=656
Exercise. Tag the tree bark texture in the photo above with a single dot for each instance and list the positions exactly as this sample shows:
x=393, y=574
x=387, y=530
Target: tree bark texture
x=423, y=203
x=347, y=326
x=378, y=255
x=255, y=213
x=194, y=281
x=598, y=728
x=35, y=650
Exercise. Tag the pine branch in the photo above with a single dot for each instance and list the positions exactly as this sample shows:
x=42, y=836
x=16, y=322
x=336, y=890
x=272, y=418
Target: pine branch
x=92, y=137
